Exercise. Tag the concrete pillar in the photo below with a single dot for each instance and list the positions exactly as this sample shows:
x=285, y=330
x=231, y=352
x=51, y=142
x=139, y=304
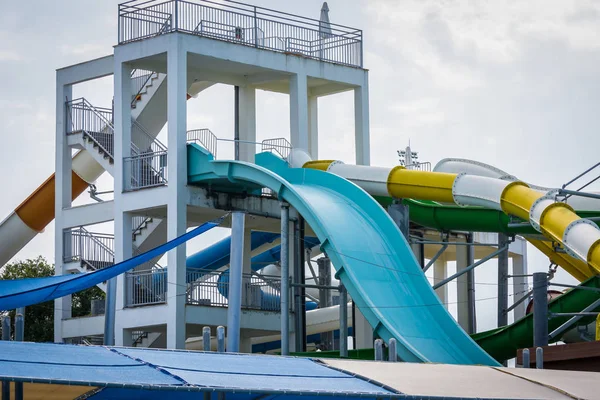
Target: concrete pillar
x=361, y=123
x=440, y=272
x=313, y=127
x=520, y=284
x=462, y=288
x=123, y=251
x=364, y=331
x=299, y=112
x=247, y=123
x=176, y=206
x=115, y=299
x=62, y=306
x=234, y=309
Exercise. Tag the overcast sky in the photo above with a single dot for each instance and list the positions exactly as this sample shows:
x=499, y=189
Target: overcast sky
x=511, y=83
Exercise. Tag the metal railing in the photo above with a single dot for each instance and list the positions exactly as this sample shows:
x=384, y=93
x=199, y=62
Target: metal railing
x=420, y=166
x=279, y=145
x=140, y=78
x=138, y=223
x=145, y=287
x=142, y=142
x=94, y=122
x=95, y=249
x=145, y=170
x=205, y=138
x=243, y=24
x=209, y=288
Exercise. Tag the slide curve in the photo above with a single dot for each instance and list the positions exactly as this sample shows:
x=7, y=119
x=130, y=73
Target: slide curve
x=371, y=257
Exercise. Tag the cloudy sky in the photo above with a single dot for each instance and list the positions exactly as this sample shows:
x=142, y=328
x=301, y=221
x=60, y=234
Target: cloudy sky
x=511, y=83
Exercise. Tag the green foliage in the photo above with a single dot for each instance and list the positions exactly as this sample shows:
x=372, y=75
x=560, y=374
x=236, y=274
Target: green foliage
x=39, y=318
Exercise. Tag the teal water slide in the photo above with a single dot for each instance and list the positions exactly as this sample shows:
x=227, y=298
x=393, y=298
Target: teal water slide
x=370, y=255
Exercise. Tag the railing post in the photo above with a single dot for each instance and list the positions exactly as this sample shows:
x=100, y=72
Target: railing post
x=176, y=15
x=220, y=339
x=255, y=29
x=206, y=338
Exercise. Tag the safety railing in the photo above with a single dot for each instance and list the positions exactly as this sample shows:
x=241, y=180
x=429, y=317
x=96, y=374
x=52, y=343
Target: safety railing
x=138, y=224
x=143, y=142
x=145, y=170
x=145, y=287
x=208, y=288
x=140, y=78
x=420, y=166
x=94, y=122
x=95, y=249
x=205, y=138
x=279, y=145
x=243, y=24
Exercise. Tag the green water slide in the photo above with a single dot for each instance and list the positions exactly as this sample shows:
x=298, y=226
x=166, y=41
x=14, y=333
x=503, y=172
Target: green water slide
x=501, y=343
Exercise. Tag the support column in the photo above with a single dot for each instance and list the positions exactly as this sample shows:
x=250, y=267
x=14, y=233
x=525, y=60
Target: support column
x=502, y=281
x=114, y=333
x=234, y=309
x=462, y=289
x=399, y=213
x=313, y=127
x=247, y=123
x=63, y=188
x=540, y=309
x=364, y=331
x=299, y=112
x=248, y=297
x=470, y=253
x=361, y=123
x=115, y=296
x=176, y=206
x=520, y=284
x=325, y=297
x=440, y=272
x=285, y=273
x=299, y=295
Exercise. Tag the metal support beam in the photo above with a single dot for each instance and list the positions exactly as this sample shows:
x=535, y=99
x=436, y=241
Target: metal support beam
x=540, y=309
x=6, y=336
x=572, y=321
x=343, y=322
x=562, y=192
x=435, y=257
x=19, y=337
x=521, y=300
x=109, y=312
x=469, y=268
x=285, y=279
x=471, y=285
x=326, y=298
x=299, y=315
x=503, y=242
x=234, y=309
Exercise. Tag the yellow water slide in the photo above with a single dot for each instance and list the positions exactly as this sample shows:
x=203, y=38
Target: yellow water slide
x=557, y=221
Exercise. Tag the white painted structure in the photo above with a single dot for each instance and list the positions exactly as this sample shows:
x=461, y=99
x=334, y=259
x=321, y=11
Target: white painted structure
x=184, y=62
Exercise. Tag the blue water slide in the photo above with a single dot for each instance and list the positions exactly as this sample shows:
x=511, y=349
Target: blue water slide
x=371, y=257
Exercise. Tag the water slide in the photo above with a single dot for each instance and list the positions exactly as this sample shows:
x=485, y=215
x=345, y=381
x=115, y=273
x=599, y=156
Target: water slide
x=556, y=221
x=371, y=257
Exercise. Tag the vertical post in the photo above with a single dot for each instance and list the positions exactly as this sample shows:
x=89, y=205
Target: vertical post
x=399, y=213
x=255, y=29
x=176, y=203
x=539, y=358
x=298, y=295
x=234, y=309
x=343, y=322
x=313, y=127
x=19, y=337
x=361, y=123
x=206, y=338
x=540, y=309
x=62, y=199
x=236, y=123
x=299, y=111
x=6, y=336
x=526, y=359
x=392, y=351
x=285, y=274
x=520, y=283
x=462, y=289
x=325, y=298
x=378, y=350
x=471, y=285
x=440, y=272
x=246, y=123
x=502, y=281
x=220, y=339
x=118, y=292
x=303, y=255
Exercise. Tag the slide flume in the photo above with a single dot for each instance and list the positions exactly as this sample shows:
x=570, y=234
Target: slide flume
x=371, y=257
x=555, y=220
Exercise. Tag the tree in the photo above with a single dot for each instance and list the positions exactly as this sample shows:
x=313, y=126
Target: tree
x=39, y=318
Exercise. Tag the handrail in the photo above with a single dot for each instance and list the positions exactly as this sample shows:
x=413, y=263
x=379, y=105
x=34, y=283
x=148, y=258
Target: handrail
x=204, y=137
x=280, y=145
x=140, y=78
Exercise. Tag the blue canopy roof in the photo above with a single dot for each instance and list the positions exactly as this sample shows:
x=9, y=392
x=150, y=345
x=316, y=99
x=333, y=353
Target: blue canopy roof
x=131, y=372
